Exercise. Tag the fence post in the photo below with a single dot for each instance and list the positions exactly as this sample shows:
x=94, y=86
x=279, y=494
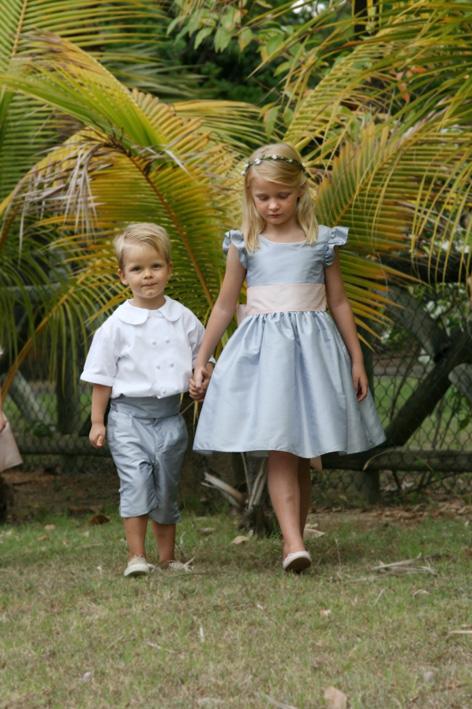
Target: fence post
x=68, y=402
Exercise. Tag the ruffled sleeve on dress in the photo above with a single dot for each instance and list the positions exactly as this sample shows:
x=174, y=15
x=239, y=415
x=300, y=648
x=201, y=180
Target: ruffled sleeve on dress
x=337, y=237
x=235, y=237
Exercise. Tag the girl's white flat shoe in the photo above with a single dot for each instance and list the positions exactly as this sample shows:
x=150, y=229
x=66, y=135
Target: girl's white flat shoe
x=298, y=561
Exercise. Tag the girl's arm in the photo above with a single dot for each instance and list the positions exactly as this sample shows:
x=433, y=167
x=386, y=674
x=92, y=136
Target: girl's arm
x=220, y=318
x=100, y=397
x=342, y=315
x=2, y=417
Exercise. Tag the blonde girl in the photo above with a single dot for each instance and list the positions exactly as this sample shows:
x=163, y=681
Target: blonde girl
x=291, y=380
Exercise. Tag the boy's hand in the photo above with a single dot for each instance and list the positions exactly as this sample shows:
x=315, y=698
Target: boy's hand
x=97, y=435
x=200, y=381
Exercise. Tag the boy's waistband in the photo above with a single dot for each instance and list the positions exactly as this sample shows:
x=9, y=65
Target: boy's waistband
x=147, y=406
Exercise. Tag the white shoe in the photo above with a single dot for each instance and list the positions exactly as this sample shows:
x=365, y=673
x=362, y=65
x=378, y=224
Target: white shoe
x=297, y=561
x=137, y=566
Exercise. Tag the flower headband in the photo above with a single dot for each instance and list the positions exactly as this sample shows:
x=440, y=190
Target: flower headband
x=258, y=161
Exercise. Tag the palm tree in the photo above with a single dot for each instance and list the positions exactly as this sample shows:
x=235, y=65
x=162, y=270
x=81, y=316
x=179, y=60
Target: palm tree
x=386, y=141
x=380, y=102
x=138, y=159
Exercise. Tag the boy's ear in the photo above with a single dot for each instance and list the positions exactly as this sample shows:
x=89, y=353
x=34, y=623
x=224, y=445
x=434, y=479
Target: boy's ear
x=122, y=277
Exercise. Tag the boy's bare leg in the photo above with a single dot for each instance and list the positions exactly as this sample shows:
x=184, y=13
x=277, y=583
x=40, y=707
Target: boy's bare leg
x=284, y=491
x=135, y=530
x=165, y=539
x=304, y=483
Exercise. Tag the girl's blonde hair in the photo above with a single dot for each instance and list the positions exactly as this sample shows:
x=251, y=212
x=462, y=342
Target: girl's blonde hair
x=142, y=233
x=286, y=168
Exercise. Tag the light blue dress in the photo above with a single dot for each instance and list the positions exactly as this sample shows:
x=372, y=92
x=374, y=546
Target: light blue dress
x=283, y=382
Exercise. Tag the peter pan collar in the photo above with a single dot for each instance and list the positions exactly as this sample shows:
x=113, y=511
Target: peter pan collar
x=171, y=310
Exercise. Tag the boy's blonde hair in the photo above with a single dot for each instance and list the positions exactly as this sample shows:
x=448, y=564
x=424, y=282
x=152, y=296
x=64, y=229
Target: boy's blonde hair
x=287, y=169
x=142, y=233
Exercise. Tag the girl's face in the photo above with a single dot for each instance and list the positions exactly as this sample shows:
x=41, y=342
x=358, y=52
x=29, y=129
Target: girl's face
x=146, y=272
x=276, y=203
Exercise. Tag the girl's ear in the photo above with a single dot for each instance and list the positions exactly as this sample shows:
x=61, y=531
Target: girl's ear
x=122, y=277
x=301, y=191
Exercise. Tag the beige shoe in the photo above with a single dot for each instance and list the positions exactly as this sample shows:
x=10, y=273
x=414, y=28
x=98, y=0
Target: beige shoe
x=298, y=561
x=137, y=566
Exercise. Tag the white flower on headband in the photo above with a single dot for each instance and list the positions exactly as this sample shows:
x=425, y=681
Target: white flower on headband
x=258, y=161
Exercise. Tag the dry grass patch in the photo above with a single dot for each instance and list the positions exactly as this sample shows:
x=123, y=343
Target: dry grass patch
x=236, y=631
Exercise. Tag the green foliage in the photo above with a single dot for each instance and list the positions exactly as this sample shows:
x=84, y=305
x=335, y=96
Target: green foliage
x=381, y=110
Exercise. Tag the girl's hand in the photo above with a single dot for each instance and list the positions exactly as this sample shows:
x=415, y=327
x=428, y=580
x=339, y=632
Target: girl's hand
x=200, y=381
x=360, y=381
x=97, y=435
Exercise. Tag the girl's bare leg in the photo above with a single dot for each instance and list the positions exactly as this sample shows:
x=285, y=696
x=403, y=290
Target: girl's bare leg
x=304, y=484
x=135, y=530
x=284, y=489
x=165, y=539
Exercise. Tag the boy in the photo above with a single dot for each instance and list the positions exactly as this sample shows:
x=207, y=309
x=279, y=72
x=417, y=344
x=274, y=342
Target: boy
x=141, y=359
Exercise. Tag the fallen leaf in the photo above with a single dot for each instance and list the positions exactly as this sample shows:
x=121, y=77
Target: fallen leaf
x=335, y=699
x=240, y=539
x=49, y=527
x=310, y=531
x=98, y=519
x=207, y=530
x=325, y=612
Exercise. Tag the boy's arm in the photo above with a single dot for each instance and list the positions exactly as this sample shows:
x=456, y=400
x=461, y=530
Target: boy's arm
x=100, y=397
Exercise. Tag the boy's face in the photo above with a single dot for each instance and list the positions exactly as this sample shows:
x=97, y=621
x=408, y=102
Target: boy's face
x=146, y=272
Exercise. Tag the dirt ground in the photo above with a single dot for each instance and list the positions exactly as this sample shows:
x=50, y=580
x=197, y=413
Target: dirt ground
x=40, y=494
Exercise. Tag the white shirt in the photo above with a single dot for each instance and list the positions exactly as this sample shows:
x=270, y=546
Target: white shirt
x=140, y=352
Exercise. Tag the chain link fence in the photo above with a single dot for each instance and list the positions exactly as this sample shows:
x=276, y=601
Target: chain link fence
x=421, y=375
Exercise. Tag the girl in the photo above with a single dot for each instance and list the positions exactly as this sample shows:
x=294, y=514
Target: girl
x=290, y=381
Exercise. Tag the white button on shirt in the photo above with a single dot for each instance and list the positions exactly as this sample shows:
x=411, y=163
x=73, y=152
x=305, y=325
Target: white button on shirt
x=141, y=352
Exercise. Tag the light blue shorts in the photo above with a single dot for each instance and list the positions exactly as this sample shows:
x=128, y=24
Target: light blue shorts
x=148, y=439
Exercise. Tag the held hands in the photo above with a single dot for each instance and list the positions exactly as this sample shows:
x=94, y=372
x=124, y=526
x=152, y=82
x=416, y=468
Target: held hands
x=200, y=381
x=360, y=381
x=97, y=435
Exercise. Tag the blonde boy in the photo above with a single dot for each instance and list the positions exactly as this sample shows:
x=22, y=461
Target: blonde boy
x=141, y=360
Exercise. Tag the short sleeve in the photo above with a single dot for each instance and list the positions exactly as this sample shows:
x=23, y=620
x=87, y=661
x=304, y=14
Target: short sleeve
x=235, y=237
x=337, y=237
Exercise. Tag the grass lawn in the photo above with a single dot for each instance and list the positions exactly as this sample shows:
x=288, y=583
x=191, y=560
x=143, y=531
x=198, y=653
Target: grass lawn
x=237, y=631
